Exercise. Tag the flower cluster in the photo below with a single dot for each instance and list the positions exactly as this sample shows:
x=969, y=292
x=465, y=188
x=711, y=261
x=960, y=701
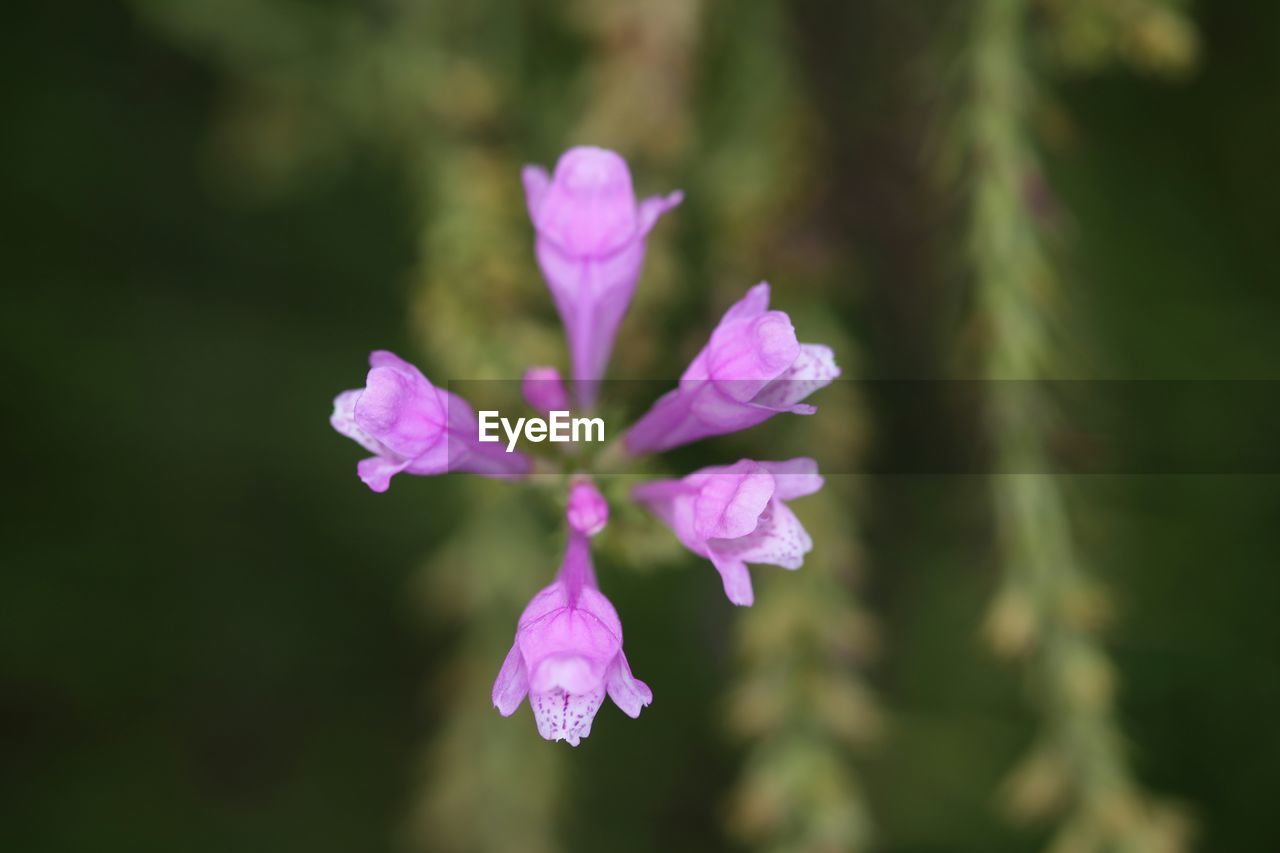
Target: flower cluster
x=590, y=245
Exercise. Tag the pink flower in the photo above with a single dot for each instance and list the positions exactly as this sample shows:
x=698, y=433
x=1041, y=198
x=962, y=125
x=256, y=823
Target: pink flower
x=568, y=654
x=752, y=368
x=415, y=427
x=590, y=246
x=737, y=514
x=543, y=390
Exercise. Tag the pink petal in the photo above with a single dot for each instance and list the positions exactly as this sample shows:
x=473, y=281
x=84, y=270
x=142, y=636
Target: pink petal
x=744, y=357
x=536, y=183
x=736, y=580
x=794, y=478
x=569, y=633
x=402, y=410
x=729, y=503
x=629, y=693
x=386, y=358
x=588, y=512
x=755, y=303
x=593, y=602
x=815, y=367
x=512, y=684
x=589, y=210
x=780, y=540
x=376, y=472
x=543, y=390
x=569, y=672
x=652, y=209
x=591, y=295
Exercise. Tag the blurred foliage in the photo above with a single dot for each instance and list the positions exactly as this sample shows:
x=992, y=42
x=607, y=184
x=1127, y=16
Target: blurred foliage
x=213, y=638
x=1048, y=609
x=1153, y=36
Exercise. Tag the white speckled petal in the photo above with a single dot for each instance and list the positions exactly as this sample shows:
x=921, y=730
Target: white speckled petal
x=780, y=540
x=343, y=420
x=814, y=368
x=566, y=716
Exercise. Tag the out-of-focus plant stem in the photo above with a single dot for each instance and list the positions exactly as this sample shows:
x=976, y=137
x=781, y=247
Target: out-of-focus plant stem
x=1047, y=611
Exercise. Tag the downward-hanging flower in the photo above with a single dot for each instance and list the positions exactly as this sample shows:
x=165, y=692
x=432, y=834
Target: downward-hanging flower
x=590, y=246
x=752, y=368
x=568, y=653
x=737, y=514
x=413, y=426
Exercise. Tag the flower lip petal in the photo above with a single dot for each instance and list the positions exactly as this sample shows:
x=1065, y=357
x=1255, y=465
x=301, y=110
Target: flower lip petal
x=814, y=367
x=775, y=341
x=589, y=210
x=401, y=410
x=587, y=169
x=568, y=632
x=568, y=672
x=383, y=400
x=566, y=716
x=745, y=355
x=730, y=503
x=343, y=420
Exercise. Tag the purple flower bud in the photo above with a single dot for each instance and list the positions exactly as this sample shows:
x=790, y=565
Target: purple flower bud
x=544, y=391
x=590, y=246
x=737, y=514
x=568, y=654
x=752, y=368
x=413, y=426
x=588, y=511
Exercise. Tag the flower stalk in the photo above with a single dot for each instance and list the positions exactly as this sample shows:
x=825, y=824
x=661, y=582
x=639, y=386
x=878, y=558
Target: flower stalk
x=1047, y=610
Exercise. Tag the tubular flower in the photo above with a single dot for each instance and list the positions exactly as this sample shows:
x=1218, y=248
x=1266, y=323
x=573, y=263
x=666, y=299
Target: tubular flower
x=737, y=514
x=568, y=654
x=752, y=368
x=590, y=246
x=413, y=426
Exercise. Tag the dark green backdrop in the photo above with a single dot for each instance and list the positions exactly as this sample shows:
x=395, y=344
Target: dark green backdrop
x=206, y=636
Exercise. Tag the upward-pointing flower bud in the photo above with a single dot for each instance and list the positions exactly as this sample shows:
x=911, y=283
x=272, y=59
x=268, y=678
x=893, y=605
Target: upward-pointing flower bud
x=588, y=511
x=590, y=246
x=543, y=390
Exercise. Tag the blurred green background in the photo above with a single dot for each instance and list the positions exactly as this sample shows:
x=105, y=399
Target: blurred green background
x=213, y=637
